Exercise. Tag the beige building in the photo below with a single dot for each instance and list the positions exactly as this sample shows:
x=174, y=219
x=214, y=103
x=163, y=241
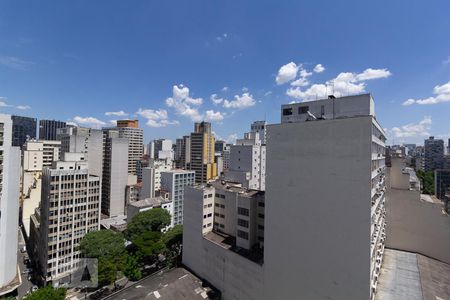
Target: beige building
x=70, y=208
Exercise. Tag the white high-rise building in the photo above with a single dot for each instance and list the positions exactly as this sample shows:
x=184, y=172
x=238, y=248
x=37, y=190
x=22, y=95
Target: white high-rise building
x=174, y=182
x=151, y=177
x=161, y=149
x=324, y=212
x=84, y=140
x=9, y=207
x=248, y=162
x=261, y=128
x=130, y=130
x=70, y=208
x=115, y=173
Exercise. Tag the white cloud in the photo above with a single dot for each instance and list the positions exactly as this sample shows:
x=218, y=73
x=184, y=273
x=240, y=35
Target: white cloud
x=243, y=101
x=156, y=118
x=113, y=122
x=409, y=102
x=119, y=113
x=181, y=102
x=222, y=37
x=413, y=129
x=225, y=89
x=215, y=99
x=15, y=63
x=441, y=95
x=268, y=93
x=287, y=73
x=300, y=82
x=319, y=68
x=447, y=61
x=3, y=102
x=89, y=121
x=211, y=115
x=245, y=89
x=346, y=83
x=370, y=74
x=23, y=107
x=231, y=139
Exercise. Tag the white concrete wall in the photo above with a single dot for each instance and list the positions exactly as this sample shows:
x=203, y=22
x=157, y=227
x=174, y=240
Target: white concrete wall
x=317, y=210
x=9, y=205
x=417, y=226
x=237, y=277
x=119, y=176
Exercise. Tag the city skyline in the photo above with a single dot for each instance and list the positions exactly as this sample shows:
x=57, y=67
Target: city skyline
x=230, y=66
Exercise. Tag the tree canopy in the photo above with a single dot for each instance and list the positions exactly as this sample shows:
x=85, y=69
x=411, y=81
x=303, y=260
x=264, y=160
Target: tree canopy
x=48, y=293
x=173, y=237
x=151, y=220
x=109, y=248
x=427, y=181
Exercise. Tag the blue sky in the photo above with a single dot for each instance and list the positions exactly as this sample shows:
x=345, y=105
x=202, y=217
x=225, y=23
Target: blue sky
x=165, y=62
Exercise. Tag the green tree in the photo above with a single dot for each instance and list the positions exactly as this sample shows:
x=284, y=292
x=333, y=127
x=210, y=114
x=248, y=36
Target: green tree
x=48, y=293
x=148, y=245
x=132, y=270
x=151, y=220
x=173, y=240
x=427, y=181
x=109, y=248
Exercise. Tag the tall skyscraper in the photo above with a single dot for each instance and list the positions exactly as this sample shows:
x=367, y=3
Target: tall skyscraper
x=70, y=208
x=260, y=127
x=115, y=173
x=183, y=152
x=130, y=129
x=434, y=154
x=47, y=129
x=9, y=207
x=84, y=140
x=23, y=128
x=323, y=232
x=202, y=153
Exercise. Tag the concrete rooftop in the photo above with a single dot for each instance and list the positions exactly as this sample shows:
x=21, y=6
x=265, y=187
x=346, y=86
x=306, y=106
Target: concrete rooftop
x=410, y=276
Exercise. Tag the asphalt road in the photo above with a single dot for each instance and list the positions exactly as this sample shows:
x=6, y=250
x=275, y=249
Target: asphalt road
x=26, y=285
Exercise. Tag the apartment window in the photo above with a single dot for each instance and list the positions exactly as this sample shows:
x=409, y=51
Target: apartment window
x=242, y=234
x=261, y=227
x=243, y=211
x=243, y=223
x=261, y=216
x=261, y=204
x=303, y=109
x=287, y=111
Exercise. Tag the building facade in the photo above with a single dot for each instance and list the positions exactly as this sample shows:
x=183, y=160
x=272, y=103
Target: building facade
x=174, y=182
x=323, y=232
x=248, y=162
x=183, y=152
x=202, y=153
x=9, y=207
x=48, y=128
x=115, y=173
x=84, y=140
x=24, y=128
x=130, y=130
x=434, y=154
x=70, y=208
x=259, y=127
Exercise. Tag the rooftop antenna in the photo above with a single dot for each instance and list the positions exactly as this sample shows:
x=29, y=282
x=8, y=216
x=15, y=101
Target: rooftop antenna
x=331, y=82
